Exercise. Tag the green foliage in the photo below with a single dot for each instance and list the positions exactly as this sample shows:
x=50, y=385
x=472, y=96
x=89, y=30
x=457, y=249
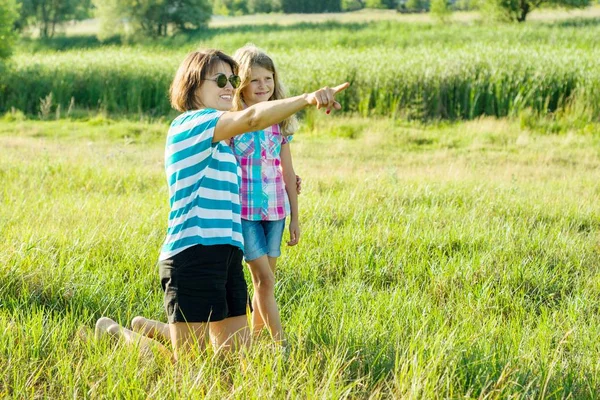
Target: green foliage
x=517, y=10
x=150, y=17
x=48, y=15
x=466, y=5
x=412, y=6
x=384, y=4
x=219, y=8
x=188, y=15
x=374, y=4
x=241, y=7
x=14, y=116
x=112, y=15
x=352, y=5
x=440, y=9
x=311, y=6
x=237, y=7
x=263, y=6
x=8, y=16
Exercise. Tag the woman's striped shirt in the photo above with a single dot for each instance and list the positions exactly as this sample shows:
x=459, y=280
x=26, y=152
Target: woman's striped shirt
x=204, y=182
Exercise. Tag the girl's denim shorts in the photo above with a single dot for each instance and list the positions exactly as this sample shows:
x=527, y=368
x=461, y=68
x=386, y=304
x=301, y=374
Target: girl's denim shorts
x=262, y=238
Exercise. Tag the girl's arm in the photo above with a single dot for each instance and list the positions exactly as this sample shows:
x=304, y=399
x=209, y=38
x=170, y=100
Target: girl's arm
x=267, y=113
x=289, y=177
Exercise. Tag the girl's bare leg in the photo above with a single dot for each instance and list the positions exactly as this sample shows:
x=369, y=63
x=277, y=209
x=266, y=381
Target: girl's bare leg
x=263, y=301
x=273, y=265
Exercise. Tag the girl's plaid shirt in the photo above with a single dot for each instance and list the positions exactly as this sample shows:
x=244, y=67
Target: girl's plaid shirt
x=262, y=190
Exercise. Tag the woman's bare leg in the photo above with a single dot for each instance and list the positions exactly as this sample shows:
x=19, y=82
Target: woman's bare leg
x=263, y=301
x=108, y=327
x=230, y=334
x=186, y=336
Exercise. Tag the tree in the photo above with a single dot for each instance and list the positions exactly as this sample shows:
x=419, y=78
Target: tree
x=310, y=6
x=389, y=4
x=8, y=16
x=188, y=15
x=150, y=17
x=352, y=5
x=48, y=14
x=263, y=6
x=517, y=10
x=440, y=9
x=233, y=7
x=413, y=6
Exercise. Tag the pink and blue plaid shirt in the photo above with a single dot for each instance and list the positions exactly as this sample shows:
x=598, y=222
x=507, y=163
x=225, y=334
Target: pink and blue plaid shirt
x=262, y=192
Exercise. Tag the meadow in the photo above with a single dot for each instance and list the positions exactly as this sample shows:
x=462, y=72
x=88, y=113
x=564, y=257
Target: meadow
x=442, y=256
x=446, y=260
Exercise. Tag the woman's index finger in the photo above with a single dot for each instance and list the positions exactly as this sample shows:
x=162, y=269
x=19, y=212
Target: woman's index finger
x=341, y=87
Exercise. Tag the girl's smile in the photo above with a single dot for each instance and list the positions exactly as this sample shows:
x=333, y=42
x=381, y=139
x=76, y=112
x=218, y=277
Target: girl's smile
x=261, y=86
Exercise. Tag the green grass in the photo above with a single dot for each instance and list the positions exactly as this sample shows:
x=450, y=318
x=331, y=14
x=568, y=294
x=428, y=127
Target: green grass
x=422, y=71
x=442, y=260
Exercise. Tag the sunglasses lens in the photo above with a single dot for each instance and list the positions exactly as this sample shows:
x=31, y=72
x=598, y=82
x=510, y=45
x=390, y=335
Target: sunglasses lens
x=235, y=81
x=221, y=80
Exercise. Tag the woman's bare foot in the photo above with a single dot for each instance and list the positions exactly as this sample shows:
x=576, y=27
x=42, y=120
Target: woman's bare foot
x=152, y=329
x=106, y=326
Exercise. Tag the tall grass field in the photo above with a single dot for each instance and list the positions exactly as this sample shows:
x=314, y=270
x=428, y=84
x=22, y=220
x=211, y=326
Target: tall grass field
x=423, y=71
x=447, y=260
x=450, y=216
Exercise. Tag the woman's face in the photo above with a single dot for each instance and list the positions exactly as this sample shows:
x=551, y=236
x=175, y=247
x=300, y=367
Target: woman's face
x=212, y=96
x=261, y=86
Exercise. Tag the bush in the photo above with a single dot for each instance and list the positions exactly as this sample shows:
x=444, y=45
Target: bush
x=14, y=115
x=8, y=16
x=351, y=5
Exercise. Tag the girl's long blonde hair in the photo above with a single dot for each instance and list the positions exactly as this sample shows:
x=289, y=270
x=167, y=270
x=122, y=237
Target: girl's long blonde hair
x=250, y=56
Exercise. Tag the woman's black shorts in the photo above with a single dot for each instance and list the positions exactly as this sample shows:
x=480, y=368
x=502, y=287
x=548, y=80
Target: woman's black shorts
x=204, y=283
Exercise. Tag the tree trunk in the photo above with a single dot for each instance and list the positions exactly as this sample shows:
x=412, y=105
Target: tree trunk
x=44, y=20
x=524, y=9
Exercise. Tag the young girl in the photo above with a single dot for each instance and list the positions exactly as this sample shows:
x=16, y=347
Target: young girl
x=268, y=190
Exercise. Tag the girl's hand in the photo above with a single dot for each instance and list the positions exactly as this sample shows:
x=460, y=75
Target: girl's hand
x=294, y=233
x=298, y=184
x=325, y=97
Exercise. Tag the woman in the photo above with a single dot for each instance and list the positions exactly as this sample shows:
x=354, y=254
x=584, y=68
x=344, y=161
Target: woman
x=201, y=260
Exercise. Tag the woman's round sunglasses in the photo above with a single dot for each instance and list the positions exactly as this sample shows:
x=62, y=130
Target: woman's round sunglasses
x=222, y=79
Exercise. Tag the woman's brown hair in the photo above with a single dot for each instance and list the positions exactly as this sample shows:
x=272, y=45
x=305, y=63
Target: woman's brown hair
x=192, y=71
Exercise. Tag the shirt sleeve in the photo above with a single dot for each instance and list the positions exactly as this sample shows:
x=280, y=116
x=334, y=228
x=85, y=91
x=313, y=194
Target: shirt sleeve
x=286, y=139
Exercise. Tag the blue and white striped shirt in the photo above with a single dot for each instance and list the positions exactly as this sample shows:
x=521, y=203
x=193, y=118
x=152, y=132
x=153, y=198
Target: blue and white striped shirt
x=204, y=182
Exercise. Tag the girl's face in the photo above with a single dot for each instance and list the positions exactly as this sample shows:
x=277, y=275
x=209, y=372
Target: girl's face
x=261, y=86
x=211, y=95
